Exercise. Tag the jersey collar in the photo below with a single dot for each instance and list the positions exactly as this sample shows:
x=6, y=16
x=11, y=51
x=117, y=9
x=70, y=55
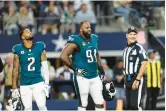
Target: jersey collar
x=33, y=44
x=130, y=45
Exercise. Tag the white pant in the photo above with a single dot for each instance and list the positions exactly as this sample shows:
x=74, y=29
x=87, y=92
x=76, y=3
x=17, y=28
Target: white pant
x=93, y=86
x=37, y=90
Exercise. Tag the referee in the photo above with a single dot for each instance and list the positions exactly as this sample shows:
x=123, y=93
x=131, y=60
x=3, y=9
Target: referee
x=135, y=61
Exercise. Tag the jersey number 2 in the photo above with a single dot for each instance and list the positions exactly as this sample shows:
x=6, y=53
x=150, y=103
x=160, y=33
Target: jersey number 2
x=31, y=60
x=89, y=55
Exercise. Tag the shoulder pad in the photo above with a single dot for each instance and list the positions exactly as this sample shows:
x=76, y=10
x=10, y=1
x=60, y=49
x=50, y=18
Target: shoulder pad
x=73, y=39
x=95, y=36
x=41, y=44
x=15, y=48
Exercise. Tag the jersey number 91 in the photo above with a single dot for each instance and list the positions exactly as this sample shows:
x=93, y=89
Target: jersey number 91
x=91, y=56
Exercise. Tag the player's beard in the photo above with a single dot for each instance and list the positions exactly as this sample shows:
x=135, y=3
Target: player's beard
x=31, y=38
x=86, y=35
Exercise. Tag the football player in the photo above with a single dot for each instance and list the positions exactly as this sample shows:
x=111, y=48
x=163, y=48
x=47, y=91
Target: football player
x=85, y=63
x=29, y=57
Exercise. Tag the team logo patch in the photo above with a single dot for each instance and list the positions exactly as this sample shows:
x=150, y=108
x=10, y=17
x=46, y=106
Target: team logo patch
x=22, y=52
x=83, y=43
x=70, y=38
x=134, y=52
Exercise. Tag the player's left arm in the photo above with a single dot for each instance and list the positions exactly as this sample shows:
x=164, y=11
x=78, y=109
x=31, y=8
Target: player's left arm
x=45, y=67
x=143, y=58
x=142, y=70
x=100, y=67
x=139, y=76
x=15, y=72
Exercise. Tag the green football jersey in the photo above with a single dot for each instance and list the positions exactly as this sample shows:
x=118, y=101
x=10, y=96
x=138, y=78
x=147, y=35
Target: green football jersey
x=30, y=62
x=86, y=57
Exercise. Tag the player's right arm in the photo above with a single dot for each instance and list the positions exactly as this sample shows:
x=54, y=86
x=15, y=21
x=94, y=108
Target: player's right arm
x=69, y=49
x=15, y=73
x=100, y=67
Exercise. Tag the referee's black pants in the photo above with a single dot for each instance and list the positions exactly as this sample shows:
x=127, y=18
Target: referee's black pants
x=133, y=97
x=152, y=94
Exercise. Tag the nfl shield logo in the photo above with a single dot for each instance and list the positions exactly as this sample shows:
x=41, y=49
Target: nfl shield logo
x=83, y=43
x=22, y=52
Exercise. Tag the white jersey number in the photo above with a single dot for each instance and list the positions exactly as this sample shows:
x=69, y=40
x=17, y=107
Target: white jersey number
x=89, y=55
x=31, y=60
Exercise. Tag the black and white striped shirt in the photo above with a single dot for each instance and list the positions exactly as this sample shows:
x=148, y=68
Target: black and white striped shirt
x=133, y=55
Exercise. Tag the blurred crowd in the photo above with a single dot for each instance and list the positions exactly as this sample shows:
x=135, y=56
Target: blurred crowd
x=62, y=85
x=54, y=17
x=44, y=16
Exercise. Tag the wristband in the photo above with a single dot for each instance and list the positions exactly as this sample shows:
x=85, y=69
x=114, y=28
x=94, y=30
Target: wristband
x=137, y=80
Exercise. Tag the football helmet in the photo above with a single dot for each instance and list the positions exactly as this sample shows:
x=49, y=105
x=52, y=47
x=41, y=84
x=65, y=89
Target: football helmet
x=14, y=103
x=109, y=91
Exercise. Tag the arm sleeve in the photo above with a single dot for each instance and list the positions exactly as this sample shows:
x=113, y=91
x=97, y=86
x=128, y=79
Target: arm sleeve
x=45, y=65
x=45, y=71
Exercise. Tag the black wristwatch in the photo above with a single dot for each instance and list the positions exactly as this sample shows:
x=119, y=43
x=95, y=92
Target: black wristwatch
x=138, y=80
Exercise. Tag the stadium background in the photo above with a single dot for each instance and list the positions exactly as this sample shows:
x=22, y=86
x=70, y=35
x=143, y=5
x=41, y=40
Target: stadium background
x=107, y=20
